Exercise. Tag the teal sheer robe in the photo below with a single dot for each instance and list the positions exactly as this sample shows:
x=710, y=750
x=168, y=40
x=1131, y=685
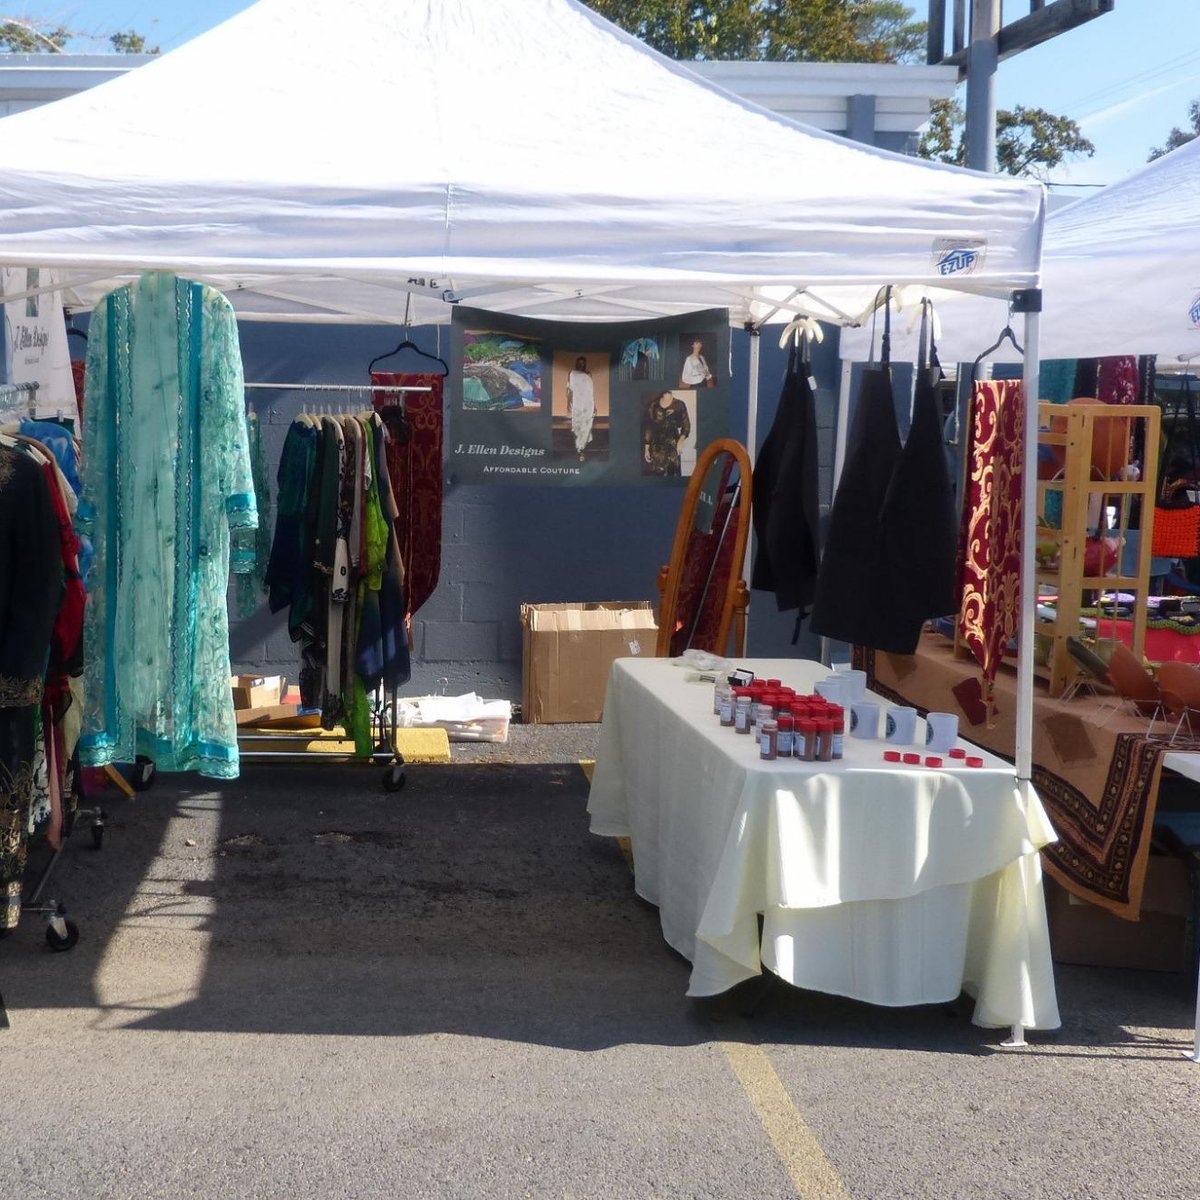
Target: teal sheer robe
x=166, y=476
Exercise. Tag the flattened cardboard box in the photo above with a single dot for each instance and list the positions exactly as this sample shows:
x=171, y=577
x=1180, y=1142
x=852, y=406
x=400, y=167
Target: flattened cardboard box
x=569, y=651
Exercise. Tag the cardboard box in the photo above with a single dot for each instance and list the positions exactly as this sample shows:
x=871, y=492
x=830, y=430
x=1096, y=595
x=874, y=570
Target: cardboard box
x=256, y=691
x=569, y=650
x=266, y=712
x=1088, y=935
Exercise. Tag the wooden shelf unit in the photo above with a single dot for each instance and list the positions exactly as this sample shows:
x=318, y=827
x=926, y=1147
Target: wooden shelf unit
x=1077, y=487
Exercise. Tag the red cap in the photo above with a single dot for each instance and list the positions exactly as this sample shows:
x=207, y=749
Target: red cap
x=974, y=762
x=741, y=692
x=774, y=683
x=891, y=756
x=913, y=760
x=932, y=760
x=958, y=752
x=786, y=722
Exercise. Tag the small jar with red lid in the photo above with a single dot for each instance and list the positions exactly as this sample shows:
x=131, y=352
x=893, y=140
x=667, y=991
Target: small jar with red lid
x=786, y=733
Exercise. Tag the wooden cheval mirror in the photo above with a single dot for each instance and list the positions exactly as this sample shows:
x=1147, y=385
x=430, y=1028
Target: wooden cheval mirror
x=702, y=592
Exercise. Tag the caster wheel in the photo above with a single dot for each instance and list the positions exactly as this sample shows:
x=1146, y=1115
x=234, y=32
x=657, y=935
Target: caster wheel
x=141, y=777
x=97, y=836
x=394, y=779
x=60, y=944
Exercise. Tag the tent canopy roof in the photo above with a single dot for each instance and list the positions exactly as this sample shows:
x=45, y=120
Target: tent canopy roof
x=520, y=155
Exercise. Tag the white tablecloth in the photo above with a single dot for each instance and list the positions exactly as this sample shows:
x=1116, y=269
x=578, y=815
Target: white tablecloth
x=894, y=885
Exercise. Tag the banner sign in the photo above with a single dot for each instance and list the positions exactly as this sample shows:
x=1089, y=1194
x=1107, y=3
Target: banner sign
x=633, y=402
x=35, y=342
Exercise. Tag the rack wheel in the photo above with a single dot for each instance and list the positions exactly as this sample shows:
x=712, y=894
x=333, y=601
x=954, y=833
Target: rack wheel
x=64, y=941
x=394, y=778
x=141, y=777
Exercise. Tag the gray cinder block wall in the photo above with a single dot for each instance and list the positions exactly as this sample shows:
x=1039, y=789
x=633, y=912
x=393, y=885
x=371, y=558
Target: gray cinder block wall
x=504, y=545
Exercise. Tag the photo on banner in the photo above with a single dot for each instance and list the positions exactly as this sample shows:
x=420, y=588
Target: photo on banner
x=620, y=403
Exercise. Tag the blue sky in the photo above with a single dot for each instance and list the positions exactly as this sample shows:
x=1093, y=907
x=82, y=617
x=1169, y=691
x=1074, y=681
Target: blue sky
x=1126, y=77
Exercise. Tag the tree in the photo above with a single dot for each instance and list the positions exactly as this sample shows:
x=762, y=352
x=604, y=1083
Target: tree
x=27, y=37
x=131, y=43
x=20, y=37
x=772, y=30
x=1029, y=141
x=1180, y=137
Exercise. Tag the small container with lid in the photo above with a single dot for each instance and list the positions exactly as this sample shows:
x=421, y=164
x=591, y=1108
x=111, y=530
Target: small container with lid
x=837, y=736
x=786, y=733
x=741, y=715
x=774, y=683
x=804, y=741
x=768, y=739
x=824, y=740
x=728, y=700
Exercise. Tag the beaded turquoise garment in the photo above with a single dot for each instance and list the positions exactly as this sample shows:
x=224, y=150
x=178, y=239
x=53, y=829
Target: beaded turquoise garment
x=166, y=476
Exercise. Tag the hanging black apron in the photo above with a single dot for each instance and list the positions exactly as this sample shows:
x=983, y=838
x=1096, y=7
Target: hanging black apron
x=854, y=583
x=787, y=508
x=920, y=521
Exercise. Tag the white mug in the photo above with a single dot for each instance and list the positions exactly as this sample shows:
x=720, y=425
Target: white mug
x=840, y=668
x=941, y=732
x=858, y=684
x=900, y=726
x=835, y=689
x=864, y=719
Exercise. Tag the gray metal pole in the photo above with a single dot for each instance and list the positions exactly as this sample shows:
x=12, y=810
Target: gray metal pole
x=982, y=58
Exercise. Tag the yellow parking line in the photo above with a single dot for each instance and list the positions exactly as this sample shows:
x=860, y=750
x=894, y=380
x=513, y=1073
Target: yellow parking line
x=812, y=1174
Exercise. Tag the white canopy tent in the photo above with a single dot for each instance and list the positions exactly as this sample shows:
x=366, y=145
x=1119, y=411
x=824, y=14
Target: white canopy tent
x=522, y=156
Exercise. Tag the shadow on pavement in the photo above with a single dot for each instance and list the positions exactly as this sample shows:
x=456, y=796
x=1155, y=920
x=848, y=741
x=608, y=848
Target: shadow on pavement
x=476, y=902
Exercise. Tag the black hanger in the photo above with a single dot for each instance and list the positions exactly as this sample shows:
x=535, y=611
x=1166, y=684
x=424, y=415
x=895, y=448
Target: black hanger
x=1006, y=332
x=77, y=332
x=409, y=344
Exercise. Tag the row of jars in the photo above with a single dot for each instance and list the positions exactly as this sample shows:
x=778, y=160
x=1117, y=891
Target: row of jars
x=785, y=724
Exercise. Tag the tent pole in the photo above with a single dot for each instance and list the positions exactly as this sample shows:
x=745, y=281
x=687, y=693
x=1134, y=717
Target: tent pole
x=1025, y=639
x=755, y=332
x=1025, y=635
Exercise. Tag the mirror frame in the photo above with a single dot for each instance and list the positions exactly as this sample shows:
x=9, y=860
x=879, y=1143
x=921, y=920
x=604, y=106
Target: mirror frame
x=669, y=578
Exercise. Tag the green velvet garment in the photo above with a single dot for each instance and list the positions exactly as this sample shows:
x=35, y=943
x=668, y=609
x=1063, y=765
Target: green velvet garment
x=167, y=475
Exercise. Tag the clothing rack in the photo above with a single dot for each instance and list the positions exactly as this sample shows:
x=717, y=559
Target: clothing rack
x=11, y=391
x=335, y=387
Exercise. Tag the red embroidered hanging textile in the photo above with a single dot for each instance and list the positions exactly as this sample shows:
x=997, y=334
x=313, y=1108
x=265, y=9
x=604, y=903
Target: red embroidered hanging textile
x=990, y=538
x=414, y=459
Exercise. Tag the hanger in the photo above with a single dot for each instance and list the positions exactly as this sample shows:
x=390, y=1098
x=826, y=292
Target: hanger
x=409, y=344
x=1006, y=332
x=803, y=327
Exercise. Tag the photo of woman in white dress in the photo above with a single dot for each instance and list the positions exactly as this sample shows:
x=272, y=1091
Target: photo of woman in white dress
x=695, y=372
x=581, y=404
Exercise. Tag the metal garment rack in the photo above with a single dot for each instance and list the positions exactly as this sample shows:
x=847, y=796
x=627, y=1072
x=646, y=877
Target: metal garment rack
x=10, y=391
x=384, y=725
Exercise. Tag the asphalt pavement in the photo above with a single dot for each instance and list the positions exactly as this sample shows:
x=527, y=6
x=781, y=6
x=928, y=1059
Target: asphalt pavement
x=298, y=985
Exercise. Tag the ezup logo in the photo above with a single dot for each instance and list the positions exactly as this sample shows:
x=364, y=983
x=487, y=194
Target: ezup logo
x=958, y=256
x=1194, y=312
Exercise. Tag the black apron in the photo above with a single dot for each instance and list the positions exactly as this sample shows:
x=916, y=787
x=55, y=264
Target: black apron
x=920, y=521
x=787, y=508
x=854, y=583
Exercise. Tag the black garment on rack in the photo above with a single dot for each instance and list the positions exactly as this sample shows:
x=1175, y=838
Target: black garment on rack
x=920, y=522
x=787, y=509
x=854, y=583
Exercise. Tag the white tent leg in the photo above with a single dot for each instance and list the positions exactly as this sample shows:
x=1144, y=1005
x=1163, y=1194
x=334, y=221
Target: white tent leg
x=752, y=431
x=752, y=395
x=1025, y=689
x=1016, y=1039
x=1024, y=731
x=1194, y=1052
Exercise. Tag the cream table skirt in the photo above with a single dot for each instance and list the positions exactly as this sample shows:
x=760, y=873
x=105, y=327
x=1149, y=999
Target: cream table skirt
x=891, y=885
